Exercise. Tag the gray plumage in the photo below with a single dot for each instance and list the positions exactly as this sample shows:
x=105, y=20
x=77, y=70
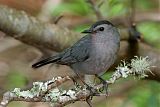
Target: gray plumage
x=93, y=53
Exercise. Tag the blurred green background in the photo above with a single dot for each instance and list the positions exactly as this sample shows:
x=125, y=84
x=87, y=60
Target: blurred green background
x=78, y=15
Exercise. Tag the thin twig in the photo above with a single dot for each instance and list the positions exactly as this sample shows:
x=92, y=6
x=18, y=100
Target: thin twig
x=95, y=9
x=58, y=19
x=132, y=12
x=101, y=3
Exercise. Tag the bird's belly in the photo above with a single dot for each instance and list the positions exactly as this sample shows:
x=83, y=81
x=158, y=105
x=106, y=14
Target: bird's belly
x=93, y=66
x=101, y=58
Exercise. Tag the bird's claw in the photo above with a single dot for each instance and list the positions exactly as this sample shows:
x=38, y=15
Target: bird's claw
x=91, y=91
x=88, y=100
x=105, y=85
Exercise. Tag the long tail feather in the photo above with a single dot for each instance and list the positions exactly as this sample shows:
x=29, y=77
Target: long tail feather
x=46, y=61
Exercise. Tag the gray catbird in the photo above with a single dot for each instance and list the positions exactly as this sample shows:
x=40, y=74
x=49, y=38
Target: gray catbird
x=93, y=54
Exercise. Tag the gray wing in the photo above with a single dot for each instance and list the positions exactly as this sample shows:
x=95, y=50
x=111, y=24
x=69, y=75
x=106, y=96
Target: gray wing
x=79, y=52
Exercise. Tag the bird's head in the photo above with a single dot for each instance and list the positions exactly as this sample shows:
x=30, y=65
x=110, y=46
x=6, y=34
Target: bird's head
x=99, y=27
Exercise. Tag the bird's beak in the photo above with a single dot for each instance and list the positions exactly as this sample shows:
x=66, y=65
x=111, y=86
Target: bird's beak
x=87, y=31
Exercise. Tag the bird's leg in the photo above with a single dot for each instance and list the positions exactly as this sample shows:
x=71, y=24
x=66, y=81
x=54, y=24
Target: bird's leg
x=75, y=82
x=105, y=84
x=88, y=87
x=89, y=98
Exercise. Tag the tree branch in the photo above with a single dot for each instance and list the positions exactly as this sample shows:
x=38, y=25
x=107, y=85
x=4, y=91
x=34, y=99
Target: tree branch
x=50, y=92
x=30, y=30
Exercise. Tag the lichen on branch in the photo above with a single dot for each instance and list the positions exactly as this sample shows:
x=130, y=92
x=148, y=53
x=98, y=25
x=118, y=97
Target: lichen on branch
x=50, y=92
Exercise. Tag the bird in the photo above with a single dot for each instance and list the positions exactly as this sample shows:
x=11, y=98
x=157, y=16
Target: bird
x=93, y=54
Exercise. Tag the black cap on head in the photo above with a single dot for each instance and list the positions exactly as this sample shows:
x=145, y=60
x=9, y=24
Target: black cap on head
x=97, y=24
x=101, y=22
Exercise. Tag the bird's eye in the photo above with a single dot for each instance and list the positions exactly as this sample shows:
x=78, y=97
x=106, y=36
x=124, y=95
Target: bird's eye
x=101, y=29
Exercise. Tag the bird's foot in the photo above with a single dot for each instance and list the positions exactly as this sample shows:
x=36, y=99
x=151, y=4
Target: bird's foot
x=105, y=85
x=91, y=89
x=88, y=100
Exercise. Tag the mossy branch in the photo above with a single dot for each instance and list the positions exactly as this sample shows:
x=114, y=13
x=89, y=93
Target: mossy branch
x=50, y=92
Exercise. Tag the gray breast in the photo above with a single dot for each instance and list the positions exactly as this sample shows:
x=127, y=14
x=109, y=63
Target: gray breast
x=96, y=64
x=102, y=55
